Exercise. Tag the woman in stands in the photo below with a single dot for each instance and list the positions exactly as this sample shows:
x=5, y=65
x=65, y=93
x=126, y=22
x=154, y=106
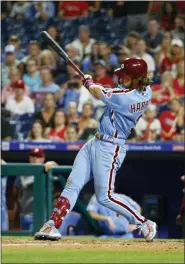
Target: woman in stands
x=37, y=132
x=46, y=115
x=179, y=88
x=58, y=132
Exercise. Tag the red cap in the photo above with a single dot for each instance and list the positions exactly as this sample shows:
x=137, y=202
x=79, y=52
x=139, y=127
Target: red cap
x=134, y=67
x=18, y=84
x=37, y=152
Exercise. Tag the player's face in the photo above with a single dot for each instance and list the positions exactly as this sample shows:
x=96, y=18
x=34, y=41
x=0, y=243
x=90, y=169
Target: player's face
x=36, y=160
x=18, y=92
x=126, y=81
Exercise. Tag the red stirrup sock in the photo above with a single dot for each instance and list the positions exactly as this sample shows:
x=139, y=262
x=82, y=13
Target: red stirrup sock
x=60, y=210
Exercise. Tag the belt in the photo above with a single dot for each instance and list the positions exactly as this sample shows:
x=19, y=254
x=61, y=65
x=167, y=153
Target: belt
x=119, y=141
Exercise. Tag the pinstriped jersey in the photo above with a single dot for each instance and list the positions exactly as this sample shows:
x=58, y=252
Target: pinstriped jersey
x=123, y=110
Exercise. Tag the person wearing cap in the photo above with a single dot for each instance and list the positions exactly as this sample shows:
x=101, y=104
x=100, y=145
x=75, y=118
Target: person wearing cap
x=83, y=43
x=20, y=104
x=15, y=41
x=148, y=128
x=175, y=55
x=141, y=53
x=24, y=185
x=8, y=91
x=100, y=75
x=10, y=63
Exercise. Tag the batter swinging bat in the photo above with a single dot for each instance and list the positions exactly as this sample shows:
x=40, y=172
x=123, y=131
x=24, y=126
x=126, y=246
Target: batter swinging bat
x=55, y=46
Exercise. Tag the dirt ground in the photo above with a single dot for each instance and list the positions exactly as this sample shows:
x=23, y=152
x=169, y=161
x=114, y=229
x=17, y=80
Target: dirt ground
x=96, y=244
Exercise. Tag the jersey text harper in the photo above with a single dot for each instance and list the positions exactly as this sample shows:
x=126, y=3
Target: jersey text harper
x=139, y=106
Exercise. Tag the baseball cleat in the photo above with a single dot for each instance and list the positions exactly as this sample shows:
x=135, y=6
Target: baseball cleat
x=149, y=230
x=48, y=232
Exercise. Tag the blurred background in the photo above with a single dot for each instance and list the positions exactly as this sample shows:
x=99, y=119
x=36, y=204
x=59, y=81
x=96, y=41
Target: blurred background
x=44, y=104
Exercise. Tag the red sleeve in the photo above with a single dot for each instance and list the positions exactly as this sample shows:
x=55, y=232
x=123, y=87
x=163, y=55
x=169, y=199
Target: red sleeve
x=84, y=5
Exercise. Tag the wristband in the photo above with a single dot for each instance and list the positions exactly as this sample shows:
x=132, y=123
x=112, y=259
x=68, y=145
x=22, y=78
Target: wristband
x=88, y=83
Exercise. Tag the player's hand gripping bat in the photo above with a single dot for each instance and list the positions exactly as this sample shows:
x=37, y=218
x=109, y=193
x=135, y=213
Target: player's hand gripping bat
x=55, y=46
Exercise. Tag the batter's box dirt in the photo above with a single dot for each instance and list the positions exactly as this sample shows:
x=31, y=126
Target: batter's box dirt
x=96, y=244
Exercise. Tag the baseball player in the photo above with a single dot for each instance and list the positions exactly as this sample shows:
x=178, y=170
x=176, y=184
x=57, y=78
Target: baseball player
x=103, y=155
x=110, y=223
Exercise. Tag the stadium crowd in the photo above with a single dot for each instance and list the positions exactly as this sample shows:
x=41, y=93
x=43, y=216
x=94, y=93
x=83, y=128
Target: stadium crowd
x=43, y=99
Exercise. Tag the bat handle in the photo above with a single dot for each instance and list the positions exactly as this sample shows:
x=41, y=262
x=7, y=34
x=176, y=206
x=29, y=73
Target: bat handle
x=76, y=68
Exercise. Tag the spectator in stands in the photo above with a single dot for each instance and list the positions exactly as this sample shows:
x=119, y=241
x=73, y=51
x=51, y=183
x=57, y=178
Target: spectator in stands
x=72, y=113
x=178, y=32
x=162, y=50
x=153, y=37
x=15, y=41
x=83, y=43
x=8, y=91
x=19, y=104
x=73, y=53
x=58, y=132
x=86, y=121
x=163, y=92
x=45, y=10
x=72, y=90
x=141, y=52
x=87, y=63
x=47, y=86
x=168, y=15
x=94, y=6
x=5, y=9
x=47, y=59
x=172, y=121
x=33, y=51
x=123, y=53
x=68, y=75
x=175, y=55
x=131, y=42
x=178, y=84
x=32, y=77
x=73, y=9
x=100, y=75
x=71, y=133
x=37, y=132
x=46, y=115
x=106, y=55
x=10, y=63
x=137, y=16
x=148, y=128
x=20, y=9
x=23, y=188
x=117, y=9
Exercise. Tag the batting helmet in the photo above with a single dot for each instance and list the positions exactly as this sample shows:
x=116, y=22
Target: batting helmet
x=134, y=67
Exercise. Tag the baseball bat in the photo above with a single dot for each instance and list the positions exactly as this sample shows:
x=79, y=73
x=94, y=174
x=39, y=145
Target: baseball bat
x=55, y=46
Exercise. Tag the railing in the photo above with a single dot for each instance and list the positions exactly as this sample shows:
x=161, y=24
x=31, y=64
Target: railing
x=43, y=194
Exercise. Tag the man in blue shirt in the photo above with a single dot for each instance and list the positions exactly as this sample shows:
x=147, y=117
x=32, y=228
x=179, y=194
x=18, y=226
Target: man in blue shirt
x=111, y=224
